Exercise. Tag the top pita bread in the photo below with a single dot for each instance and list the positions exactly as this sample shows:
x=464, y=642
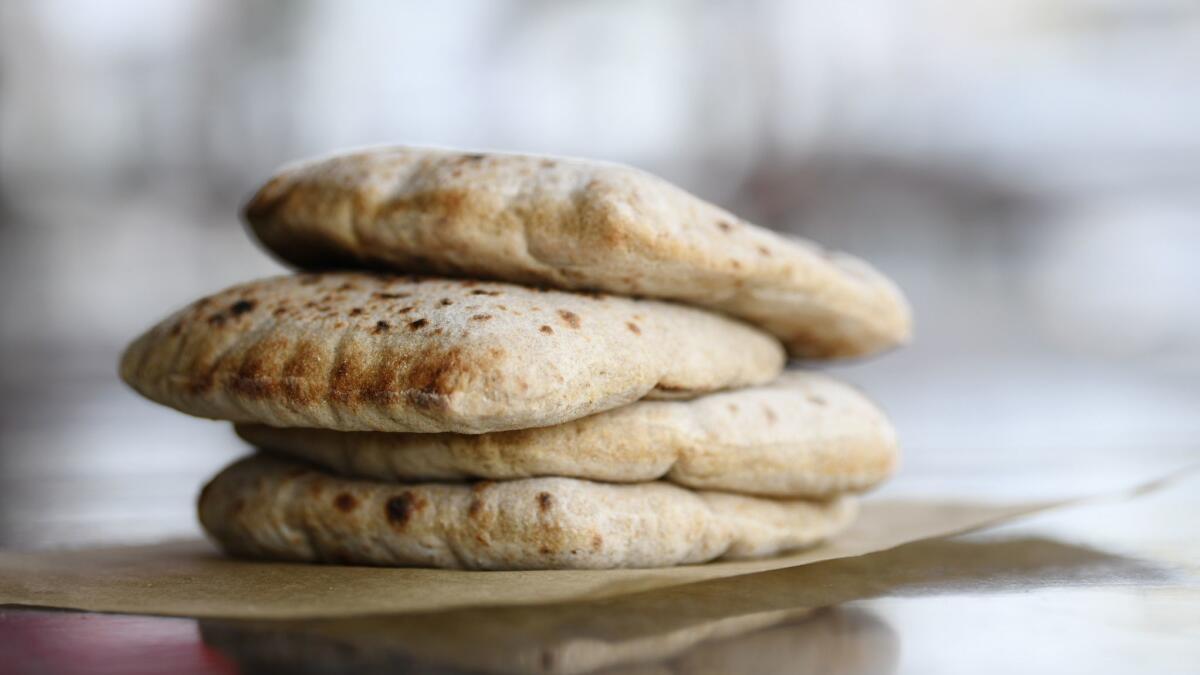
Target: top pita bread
x=364, y=352
x=572, y=224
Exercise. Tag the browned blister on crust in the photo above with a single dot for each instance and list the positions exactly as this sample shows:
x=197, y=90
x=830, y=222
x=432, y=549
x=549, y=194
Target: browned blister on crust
x=362, y=352
x=576, y=225
x=275, y=509
x=804, y=435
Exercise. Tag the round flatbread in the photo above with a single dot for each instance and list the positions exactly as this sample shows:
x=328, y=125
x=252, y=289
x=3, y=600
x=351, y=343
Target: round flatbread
x=804, y=435
x=263, y=507
x=364, y=352
x=576, y=225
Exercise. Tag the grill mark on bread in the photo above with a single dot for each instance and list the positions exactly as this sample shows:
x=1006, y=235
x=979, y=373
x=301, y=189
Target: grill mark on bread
x=382, y=385
x=570, y=318
x=242, y=306
x=250, y=379
x=345, y=502
x=346, y=381
x=256, y=373
x=399, y=510
x=436, y=376
x=299, y=374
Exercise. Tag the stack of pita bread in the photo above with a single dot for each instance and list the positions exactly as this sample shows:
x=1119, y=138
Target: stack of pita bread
x=517, y=362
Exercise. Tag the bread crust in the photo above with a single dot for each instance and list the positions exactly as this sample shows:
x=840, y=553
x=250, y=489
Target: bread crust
x=575, y=225
x=263, y=507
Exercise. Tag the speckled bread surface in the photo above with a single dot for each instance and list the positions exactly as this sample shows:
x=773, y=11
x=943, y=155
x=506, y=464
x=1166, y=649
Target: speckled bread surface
x=373, y=352
x=263, y=507
x=576, y=225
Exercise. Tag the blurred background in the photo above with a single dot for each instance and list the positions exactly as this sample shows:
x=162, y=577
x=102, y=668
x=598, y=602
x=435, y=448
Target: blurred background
x=1028, y=171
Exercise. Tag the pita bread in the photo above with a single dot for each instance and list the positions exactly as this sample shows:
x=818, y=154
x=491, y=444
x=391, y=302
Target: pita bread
x=361, y=352
x=804, y=435
x=572, y=224
x=263, y=507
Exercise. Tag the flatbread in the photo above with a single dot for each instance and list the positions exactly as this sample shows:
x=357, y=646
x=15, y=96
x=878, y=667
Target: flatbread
x=572, y=224
x=804, y=435
x=363, y=352
x=263, y=507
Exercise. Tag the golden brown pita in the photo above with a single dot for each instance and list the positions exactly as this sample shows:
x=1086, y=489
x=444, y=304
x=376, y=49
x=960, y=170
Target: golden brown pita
x=804, y=435
x=263, y=507
x=576, y=225
x=364, y=352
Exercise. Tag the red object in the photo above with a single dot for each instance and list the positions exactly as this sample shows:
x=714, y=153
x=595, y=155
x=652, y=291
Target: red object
x=33, y=641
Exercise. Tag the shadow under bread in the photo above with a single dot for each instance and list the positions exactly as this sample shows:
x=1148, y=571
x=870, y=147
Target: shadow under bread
x=681, y=628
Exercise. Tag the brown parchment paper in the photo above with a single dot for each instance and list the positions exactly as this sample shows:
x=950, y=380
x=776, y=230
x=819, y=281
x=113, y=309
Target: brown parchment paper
x=782, y=615
x=191, y=578
x=789, y=620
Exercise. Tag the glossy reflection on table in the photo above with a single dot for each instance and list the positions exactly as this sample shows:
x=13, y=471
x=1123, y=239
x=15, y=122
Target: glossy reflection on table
x=830, y=617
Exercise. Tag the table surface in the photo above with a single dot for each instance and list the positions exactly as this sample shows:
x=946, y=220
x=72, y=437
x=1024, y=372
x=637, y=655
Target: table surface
x=1103, y=587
